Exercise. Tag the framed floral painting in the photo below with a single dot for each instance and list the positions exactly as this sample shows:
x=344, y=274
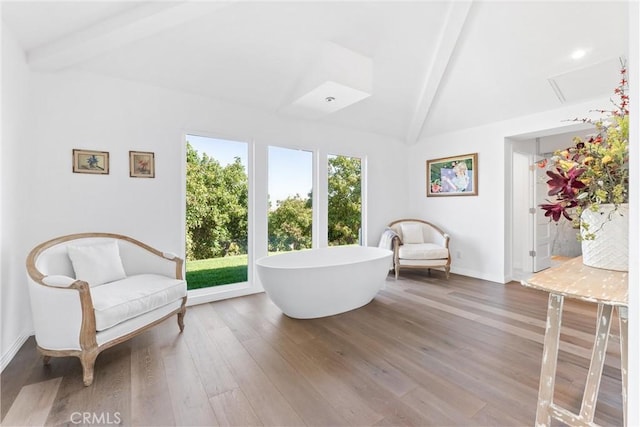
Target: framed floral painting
x=453, y=176
x=142, y=164
x=89, y=161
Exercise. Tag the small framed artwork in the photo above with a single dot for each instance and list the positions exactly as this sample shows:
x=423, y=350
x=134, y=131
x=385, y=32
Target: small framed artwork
x=88, y=161
x=142, y=164
x=453, y=176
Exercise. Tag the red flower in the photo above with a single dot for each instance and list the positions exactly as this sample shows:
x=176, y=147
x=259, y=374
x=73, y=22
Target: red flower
x=565, y=183
x=556, y=210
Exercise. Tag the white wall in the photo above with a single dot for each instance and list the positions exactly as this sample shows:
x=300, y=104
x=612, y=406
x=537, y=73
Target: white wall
x=14, y=303
x=480, y=245
x=81, y=110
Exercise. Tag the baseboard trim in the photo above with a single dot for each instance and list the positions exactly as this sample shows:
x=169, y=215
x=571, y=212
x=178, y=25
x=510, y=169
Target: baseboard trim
x=203, y=296
x=478, y=275
x=8, y=356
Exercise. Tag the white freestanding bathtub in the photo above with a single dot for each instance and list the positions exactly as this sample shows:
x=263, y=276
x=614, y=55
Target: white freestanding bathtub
x=323, y=282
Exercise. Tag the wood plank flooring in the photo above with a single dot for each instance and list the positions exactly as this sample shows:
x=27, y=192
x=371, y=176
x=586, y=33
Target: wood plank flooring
x=425, y=352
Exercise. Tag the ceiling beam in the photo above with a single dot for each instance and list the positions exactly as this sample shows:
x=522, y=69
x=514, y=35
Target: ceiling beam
x=448, y=38
x=121, y=29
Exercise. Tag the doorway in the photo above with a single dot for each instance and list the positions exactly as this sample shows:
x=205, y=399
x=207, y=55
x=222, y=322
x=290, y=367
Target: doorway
x=535, y=242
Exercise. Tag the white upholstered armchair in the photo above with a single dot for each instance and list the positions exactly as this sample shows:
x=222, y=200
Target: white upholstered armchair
x=92, y=291
x=419, y=244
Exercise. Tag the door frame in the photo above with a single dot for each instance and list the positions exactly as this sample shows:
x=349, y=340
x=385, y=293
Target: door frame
x=523, y=143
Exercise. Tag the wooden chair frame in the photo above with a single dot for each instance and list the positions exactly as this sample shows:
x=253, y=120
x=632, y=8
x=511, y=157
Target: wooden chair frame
x=89, y=347
x=446, y=264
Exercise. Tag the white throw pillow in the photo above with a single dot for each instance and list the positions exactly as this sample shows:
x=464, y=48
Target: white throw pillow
x=412, y=233
x=97, y=264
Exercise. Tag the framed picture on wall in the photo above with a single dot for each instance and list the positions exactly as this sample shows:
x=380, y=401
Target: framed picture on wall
x=89, y=161
x=142, y=164
x=453, y=176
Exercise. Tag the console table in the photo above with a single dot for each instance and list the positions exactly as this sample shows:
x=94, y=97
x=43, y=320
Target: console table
x=608, y=289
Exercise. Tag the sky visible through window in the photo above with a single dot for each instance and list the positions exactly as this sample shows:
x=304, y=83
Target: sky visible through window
x=288, y=175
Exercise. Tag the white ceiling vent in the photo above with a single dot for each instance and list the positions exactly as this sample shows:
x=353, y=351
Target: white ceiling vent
x=589, y=82
x=339, y=78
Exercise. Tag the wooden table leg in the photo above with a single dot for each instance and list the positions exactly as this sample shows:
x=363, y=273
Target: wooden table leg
x=623, y=313
x=549, y=359
x=590, y=396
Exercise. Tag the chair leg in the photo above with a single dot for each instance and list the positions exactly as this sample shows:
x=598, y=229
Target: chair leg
x=181, y=319
x=447, y=269
x=88, y=360
x=397, y=270
x=181, y=313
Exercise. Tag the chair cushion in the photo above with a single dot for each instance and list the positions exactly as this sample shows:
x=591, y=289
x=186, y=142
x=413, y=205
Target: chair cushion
x=96, y=264
x=423, y=251
x=125, y=299
x=412, y=233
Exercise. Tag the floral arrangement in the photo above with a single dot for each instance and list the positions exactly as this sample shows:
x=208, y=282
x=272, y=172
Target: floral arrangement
x=594, y=171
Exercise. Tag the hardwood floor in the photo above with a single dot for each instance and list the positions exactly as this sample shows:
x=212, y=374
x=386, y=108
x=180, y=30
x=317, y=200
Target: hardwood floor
x=426, y=352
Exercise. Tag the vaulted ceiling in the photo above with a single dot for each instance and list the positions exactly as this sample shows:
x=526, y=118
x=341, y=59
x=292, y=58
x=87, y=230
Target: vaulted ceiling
x=436, y=66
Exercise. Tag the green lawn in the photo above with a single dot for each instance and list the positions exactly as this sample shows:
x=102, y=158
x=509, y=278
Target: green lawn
x=205, y=273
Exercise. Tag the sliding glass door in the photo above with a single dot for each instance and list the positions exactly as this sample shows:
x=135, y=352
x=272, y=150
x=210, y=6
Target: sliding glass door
x=217, y=212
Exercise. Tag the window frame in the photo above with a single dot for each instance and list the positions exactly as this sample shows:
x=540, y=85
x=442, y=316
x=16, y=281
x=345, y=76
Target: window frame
x=257, y=239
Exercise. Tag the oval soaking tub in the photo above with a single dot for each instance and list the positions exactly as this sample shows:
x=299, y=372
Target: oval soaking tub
x=323, y=282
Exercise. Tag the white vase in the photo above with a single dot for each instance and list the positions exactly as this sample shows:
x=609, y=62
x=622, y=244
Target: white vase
x=610, y=248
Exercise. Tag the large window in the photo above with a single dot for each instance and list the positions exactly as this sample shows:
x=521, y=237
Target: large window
x=290, y=199
x=344, y=200
x=245, y=200
x=216, y=212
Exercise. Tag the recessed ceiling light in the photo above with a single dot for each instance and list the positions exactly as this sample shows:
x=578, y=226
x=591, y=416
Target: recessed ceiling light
x=329, y=99
x=579, y=53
